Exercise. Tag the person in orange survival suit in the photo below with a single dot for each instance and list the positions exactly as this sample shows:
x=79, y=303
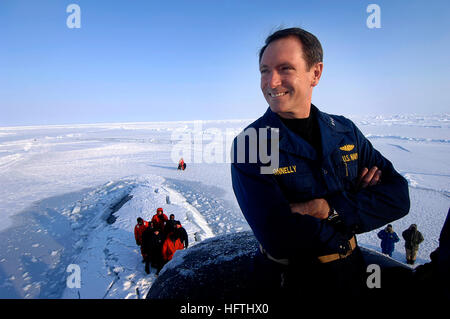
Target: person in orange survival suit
x=170, y=246
x=159, y=219
x=181, y=164
x=138, y=230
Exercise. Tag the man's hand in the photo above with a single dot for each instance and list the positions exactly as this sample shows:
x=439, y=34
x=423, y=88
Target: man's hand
x=369, y=177
x=317, y=208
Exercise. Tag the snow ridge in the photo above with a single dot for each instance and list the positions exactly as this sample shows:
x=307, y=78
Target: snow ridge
x=74, y=229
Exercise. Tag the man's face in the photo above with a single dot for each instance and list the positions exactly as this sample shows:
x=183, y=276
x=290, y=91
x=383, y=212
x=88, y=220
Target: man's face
x=286, y=81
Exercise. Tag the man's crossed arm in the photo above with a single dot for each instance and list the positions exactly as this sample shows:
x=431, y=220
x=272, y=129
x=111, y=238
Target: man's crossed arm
x=319, y=207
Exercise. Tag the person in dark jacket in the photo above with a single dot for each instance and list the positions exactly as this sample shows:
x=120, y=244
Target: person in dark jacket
x=156, y=251
x=388, y=239
x=152, y=244
x=170, y=225
x=181, y=233
x=412, y=238
x=307, y=181
x=146, y=246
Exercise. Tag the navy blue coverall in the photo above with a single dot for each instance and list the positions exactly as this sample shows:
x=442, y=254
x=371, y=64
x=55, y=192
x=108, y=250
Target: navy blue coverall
x=388, y=241
x=303, y=175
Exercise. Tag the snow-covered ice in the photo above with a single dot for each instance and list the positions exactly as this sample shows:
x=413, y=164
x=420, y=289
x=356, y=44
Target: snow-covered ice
x=61, y=183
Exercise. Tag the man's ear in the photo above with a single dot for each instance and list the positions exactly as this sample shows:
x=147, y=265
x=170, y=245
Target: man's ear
x=317, y=73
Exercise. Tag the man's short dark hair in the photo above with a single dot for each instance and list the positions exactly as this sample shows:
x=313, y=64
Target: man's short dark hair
x=312, y=49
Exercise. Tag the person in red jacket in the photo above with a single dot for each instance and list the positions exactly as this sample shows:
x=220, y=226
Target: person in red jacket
x=159, y=220
x=171, y=245
x=138, y=230
x=181, y=164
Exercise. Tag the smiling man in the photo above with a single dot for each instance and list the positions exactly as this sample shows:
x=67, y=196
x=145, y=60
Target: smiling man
x=330, y=185
x=287, y=79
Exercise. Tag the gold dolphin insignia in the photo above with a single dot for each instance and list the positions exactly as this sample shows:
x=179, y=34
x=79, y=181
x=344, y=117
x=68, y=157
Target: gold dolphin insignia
x=347, y=147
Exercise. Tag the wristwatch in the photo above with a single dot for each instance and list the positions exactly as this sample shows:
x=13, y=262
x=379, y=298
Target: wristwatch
x=332, y=214
x=333, y=218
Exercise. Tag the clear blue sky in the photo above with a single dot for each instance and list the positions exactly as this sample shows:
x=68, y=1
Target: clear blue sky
x=188, y=60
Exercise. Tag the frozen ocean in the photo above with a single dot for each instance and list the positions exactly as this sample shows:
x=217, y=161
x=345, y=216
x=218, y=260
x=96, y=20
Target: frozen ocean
x=60, y=184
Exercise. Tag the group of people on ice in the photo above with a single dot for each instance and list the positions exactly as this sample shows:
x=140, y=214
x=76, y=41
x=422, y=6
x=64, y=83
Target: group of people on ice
x=412, y=236
x=159, y=239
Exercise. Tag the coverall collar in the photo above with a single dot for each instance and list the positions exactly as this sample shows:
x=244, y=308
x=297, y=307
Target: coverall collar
x=330, y=131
